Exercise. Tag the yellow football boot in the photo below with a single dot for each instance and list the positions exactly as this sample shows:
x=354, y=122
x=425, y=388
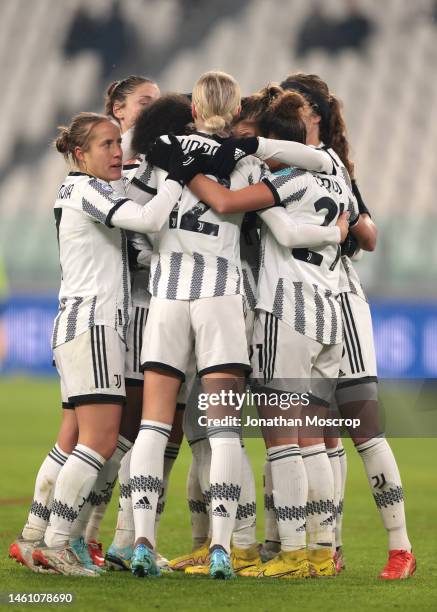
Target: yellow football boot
x=199, y=556
x=322, y=565
x=287, y=565
x=197, y=570
x=245, y=559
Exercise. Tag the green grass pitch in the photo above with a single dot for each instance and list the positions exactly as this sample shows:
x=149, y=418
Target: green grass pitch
x=29, y=419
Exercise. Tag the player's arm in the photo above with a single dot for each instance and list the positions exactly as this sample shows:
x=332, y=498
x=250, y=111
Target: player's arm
x=364, y=231
x=295, y=235
x=296, y=154
x=224, y=200
x=130, y=215
x=101, y=204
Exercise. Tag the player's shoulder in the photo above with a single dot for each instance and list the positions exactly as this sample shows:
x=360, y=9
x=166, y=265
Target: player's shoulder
x=250, y=169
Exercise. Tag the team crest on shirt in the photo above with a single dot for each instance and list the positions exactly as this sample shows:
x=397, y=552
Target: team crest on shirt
x=105, y=187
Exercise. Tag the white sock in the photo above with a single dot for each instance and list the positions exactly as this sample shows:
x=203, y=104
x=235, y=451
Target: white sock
x=125, y=530
x=146, y=474
x=199, y=513
x=336, y=473
x=201, y=506
x=170, y=455
x=101, y=493
x=271, y=533
x=244, y=535
x=225, y=487
x=339, y=518
x=320, y=506
x=39, y=514
x=73, y=485
x=290, y=491
x=385, y=482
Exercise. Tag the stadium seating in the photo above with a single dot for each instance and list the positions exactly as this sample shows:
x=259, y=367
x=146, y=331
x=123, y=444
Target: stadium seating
x=389, y=93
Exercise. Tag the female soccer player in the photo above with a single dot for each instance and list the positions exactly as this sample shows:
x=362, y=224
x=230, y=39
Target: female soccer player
x=124, y=101
x=357, y=388
x=169, y=114
x=90, y=329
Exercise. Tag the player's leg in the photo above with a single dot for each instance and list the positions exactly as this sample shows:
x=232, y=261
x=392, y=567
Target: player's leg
x=129, y=426
x=340, y=561
x=278, y=375
x=320, y=507
x=357, y=397
x=165, y=353
x=332, y=444
x=120, y=551
x=33, y=532
x=98, y=395
x=245, y=552
x=170, y=455
x=272, y=543
x=222, y=360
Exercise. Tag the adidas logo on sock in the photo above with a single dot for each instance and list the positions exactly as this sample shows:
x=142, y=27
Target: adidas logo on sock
x=238, y=153
x=221, y=511
x=143, y=504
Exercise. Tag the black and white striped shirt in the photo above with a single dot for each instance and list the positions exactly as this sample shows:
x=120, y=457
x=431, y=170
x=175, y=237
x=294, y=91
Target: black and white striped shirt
x=300, y=286
x=95, y=285
x=349, y=280
x=197, y=253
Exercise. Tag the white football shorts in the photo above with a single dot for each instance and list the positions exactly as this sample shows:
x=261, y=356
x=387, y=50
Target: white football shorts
x=214, y=326
x=91, y=367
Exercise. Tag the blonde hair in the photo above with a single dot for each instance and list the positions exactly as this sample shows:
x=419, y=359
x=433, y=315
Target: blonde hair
x=216, y=98
x=78, y=134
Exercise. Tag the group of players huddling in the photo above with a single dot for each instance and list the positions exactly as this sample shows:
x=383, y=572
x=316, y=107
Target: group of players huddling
x=205, y=245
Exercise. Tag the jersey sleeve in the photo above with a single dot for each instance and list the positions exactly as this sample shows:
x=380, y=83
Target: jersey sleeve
x=100, y=201
x=144, y=184
x=295, y=154
x=298, y=235
x=287, y=186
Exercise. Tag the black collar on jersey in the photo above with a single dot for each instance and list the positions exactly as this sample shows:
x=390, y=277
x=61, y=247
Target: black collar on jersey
x=131, y=166
x=215, y=137
x=76, y=173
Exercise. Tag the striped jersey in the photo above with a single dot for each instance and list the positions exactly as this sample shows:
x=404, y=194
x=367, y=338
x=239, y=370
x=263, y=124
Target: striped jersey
x=299, y=285
x=197, y=254
x=249, y=253
x=93, y=256
x=139, y=245
x=349, y=280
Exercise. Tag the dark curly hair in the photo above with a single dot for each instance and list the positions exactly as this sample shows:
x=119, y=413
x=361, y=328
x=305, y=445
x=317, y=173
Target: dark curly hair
x=170, y=114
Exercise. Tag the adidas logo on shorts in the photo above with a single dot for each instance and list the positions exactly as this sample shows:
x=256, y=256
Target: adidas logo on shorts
x=143, y=504
x=238, y=153
x=221, y=511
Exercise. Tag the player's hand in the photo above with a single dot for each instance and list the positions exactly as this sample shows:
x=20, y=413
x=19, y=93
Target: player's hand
x=350, y=246
x=343, y=224
x=229, y=154
x=160, y=153
x=183, y=167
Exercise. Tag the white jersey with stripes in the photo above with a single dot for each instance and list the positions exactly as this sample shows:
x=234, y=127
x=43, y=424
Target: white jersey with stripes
x=93, y=256
x=139, y=245
x=299, y=285
x=197, y=253
x=349, y=280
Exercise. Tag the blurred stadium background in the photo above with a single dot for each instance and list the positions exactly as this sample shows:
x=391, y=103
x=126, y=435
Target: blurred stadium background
x=379, y=57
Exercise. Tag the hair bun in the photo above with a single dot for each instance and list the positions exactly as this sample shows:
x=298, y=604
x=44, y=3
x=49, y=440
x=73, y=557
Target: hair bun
x=62, y=142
